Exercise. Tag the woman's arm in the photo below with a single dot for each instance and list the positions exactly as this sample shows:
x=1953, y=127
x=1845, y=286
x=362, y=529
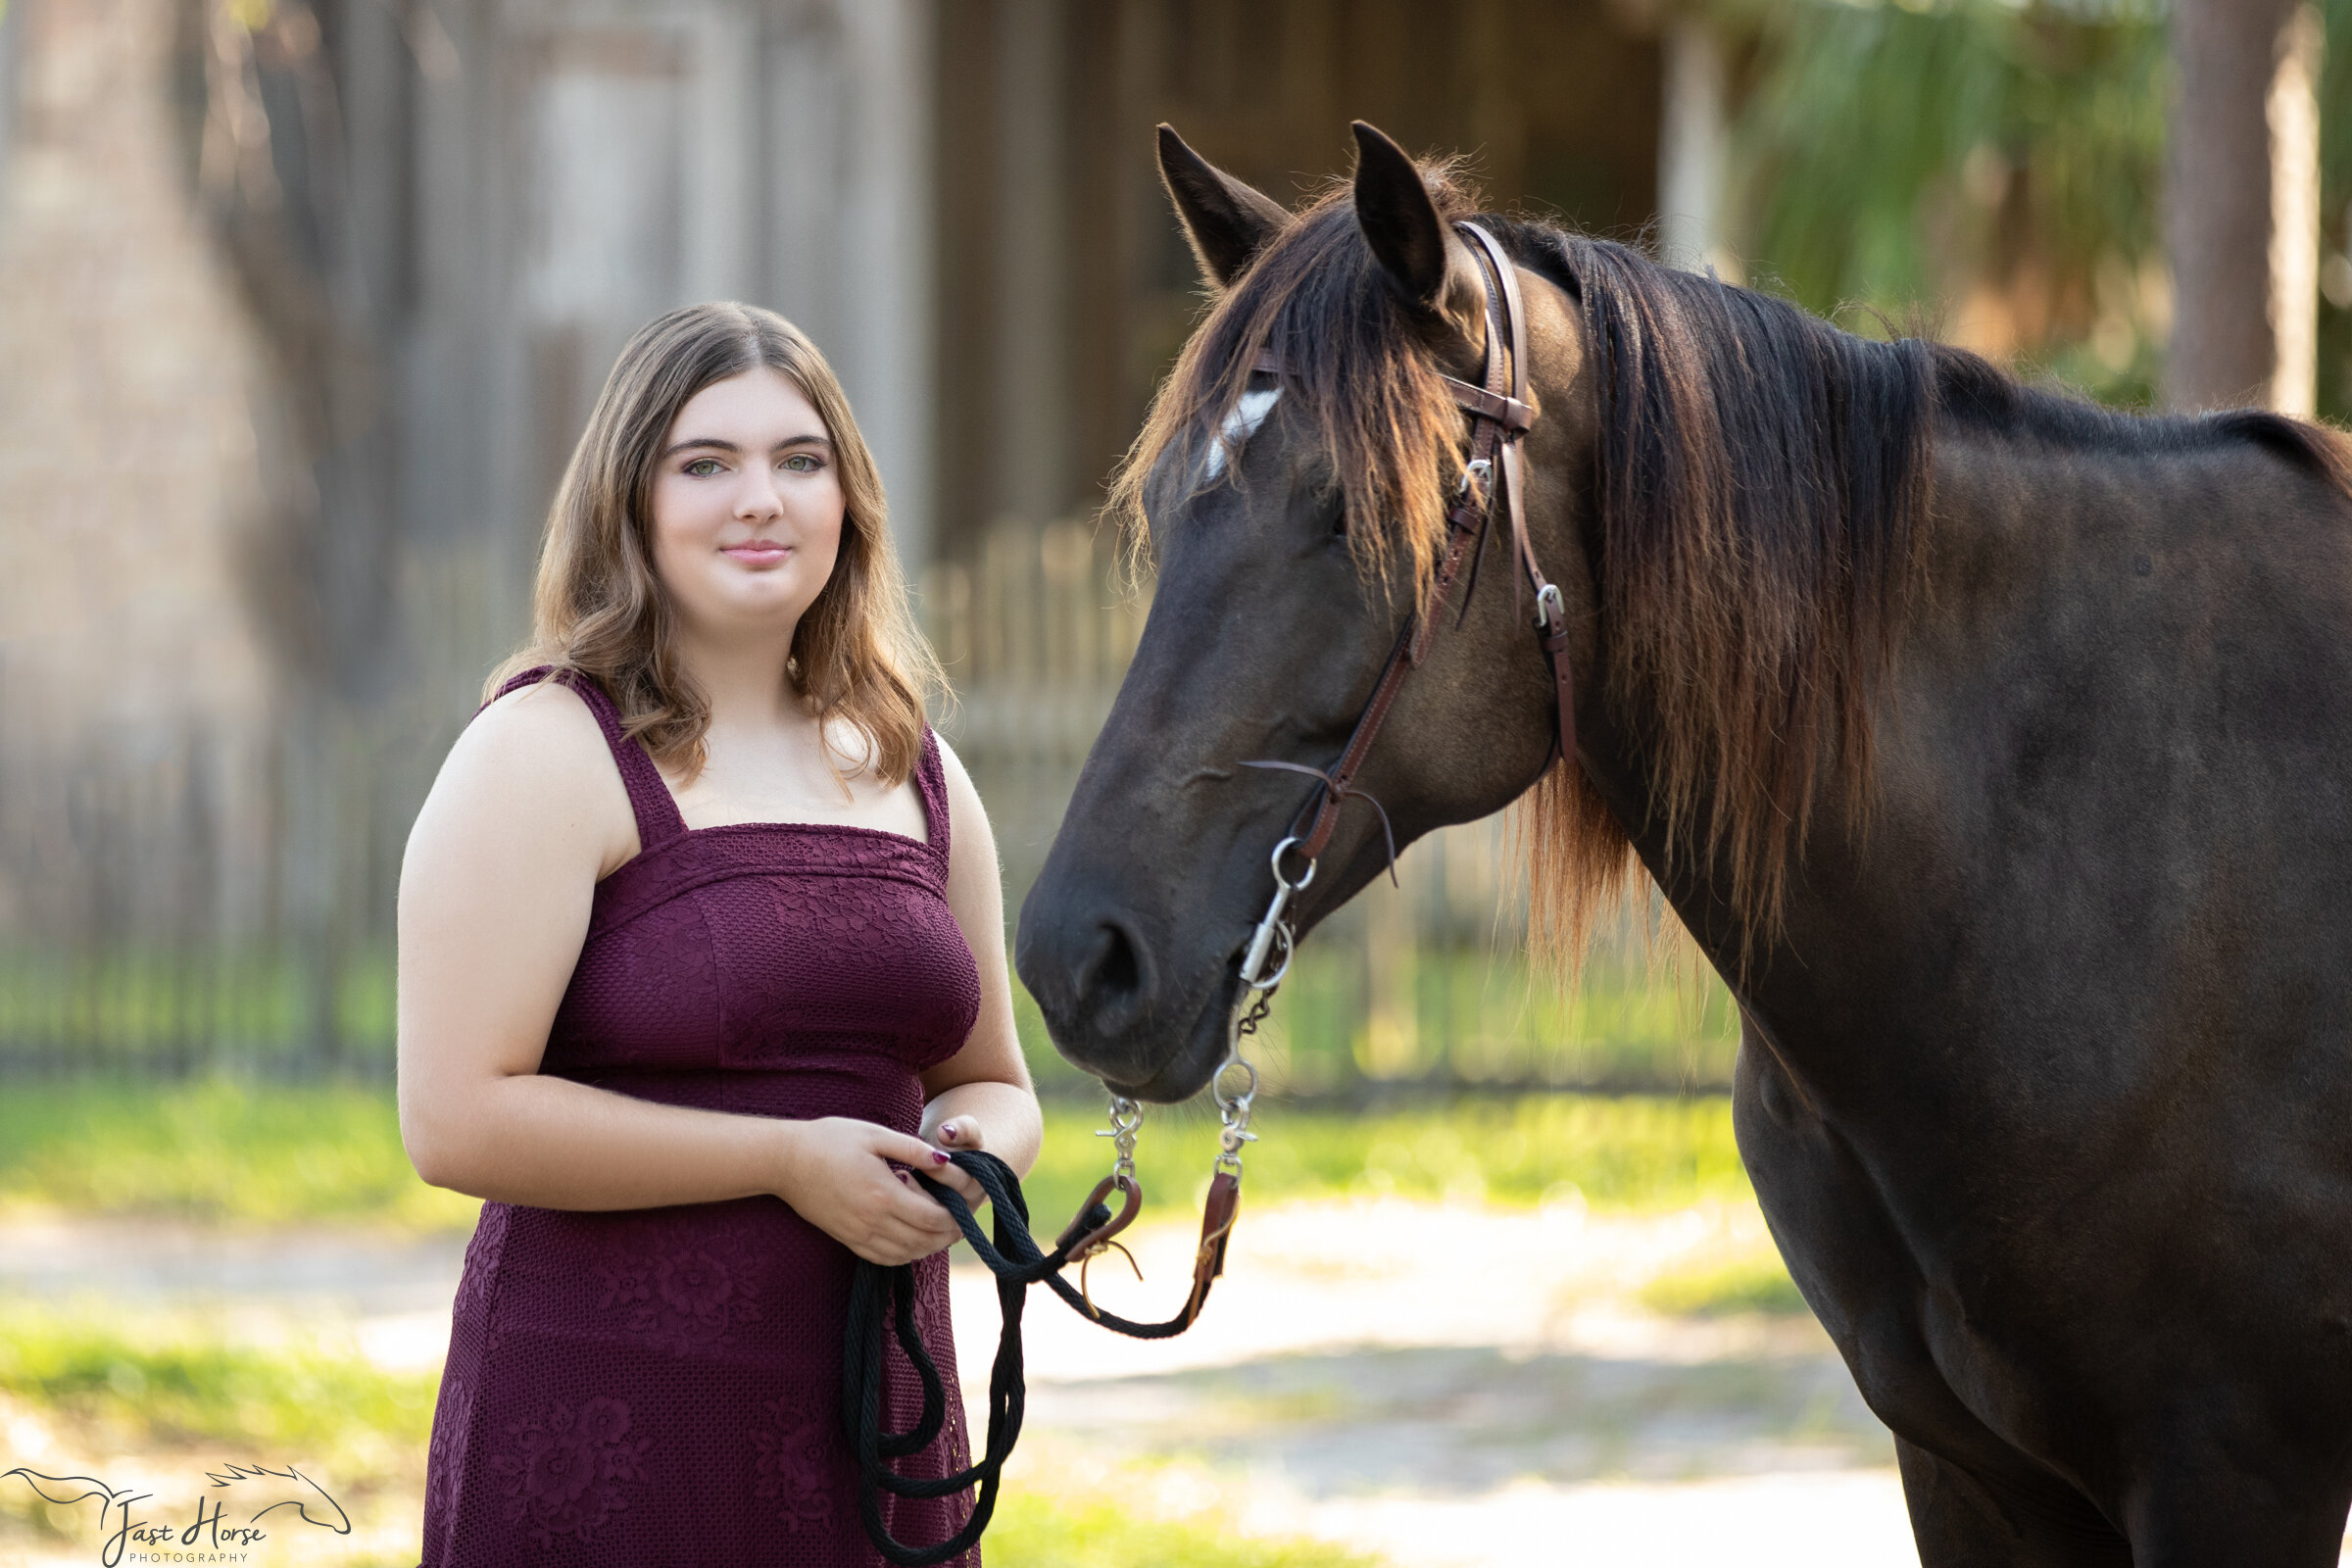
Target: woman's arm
x=502, y=865
x=980, y=1097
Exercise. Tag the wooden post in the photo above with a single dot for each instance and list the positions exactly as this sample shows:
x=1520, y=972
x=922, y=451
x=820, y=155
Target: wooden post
x=2292, y=114
x=2241, y=216
x=1691, y=145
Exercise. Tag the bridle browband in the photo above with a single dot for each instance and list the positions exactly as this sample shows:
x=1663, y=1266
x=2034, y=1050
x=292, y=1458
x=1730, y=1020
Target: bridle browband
x=1499, y=417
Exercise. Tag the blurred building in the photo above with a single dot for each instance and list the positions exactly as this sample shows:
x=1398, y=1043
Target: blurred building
x=304, y=303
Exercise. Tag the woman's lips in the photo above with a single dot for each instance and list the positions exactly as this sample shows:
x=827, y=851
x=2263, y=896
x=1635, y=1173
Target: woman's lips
x=759, y=552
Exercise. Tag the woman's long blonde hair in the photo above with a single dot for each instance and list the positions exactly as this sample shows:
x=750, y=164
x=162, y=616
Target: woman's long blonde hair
x=600, y=610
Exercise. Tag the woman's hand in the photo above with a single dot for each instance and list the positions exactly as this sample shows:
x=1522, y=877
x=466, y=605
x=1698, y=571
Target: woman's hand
x=955, y=1134
x=837, y=1174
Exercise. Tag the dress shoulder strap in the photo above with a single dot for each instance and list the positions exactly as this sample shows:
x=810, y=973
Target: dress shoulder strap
x=931, y=779
x=656, y=809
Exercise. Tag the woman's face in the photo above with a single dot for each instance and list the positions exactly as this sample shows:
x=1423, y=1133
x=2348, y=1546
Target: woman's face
x=747, y=507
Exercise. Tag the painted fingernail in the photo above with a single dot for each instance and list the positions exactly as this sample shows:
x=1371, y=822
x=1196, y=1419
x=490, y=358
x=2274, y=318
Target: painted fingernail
x=939, y=1156
x=948, y=1131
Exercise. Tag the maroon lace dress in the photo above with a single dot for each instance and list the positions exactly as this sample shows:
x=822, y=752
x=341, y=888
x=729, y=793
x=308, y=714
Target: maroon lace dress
x=658, y=1386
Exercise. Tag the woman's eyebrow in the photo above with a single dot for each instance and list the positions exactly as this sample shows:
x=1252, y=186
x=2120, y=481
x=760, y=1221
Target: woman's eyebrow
x=711, y=443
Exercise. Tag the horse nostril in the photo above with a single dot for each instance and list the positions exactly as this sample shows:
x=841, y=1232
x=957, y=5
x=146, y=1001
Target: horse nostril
x=1115, y=969
x=1114, y=982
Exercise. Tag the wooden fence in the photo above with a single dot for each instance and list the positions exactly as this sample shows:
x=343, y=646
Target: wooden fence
x=197, y=899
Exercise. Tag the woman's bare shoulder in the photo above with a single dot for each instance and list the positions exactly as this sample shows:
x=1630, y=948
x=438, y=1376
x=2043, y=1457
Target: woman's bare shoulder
x=537, y=735
x=965, y=813
x=536, y=759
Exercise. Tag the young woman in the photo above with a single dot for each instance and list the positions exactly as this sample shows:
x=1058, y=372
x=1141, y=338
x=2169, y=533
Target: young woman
x=700, y=947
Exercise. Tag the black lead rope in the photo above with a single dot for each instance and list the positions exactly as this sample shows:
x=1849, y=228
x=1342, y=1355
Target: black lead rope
x=862, y=1370
x=1017, y=1262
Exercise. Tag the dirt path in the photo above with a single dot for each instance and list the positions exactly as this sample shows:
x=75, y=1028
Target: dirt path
x=1460, y=1385
x=1453, y=1387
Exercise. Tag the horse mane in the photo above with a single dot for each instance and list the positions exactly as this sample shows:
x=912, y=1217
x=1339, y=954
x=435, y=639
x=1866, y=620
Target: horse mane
x=1761, y=483
x=1762, y=486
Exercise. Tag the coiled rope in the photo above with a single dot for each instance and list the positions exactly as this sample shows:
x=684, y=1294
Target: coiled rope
x=1017, y=1262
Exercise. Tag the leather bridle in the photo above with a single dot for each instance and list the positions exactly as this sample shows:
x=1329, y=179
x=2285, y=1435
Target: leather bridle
x=1499, y=418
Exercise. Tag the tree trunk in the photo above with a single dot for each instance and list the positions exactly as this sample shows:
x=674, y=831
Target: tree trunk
x=2293, y=115
x=2234, y=172
x=1691, y=145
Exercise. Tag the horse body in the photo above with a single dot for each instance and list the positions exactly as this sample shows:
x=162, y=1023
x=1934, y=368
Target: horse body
x=2046, y=1091
x=2046, y=1083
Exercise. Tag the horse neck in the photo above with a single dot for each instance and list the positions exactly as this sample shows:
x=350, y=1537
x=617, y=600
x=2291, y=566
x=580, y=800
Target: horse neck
x=2059, y=767
x=2002, y=514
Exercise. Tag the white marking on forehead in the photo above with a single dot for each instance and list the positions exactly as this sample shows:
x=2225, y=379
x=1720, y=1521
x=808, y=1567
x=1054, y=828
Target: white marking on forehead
x=1240, y=426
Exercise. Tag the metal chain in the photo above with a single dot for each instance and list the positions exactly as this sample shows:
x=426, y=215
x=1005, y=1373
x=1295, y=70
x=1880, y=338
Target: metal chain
x=1233, y=1109
x=1126, y=1120
x=1248, y=1021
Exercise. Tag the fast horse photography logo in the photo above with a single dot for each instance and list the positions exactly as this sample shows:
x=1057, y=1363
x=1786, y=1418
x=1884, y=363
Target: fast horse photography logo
x=228, y=1524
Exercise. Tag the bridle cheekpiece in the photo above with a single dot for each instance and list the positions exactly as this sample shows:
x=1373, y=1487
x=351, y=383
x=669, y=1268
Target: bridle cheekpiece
x=1499, y=418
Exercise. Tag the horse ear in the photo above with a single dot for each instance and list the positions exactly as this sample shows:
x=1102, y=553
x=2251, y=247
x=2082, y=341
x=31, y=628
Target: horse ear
x=1227, y=222
x=1398, y=220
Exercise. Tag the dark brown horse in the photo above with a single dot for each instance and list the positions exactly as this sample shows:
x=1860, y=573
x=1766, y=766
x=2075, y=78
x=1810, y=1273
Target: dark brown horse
x=1996, y=749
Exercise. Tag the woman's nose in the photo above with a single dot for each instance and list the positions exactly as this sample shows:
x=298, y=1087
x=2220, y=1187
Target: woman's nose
x=760, y=496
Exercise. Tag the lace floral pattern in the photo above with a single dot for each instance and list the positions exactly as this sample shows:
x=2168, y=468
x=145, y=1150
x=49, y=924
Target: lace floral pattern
x=483, y=1255
x=683, y=1294
x=931, y=1322
x=445, y=1453
x=792, y=1455
x=571, y=1471
x=873, y=943
x=477, y=1284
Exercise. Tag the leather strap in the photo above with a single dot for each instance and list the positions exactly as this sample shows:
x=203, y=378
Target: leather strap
x=1510, y=413
x=1498, y=276
x=1499, y=414
x=1551, y=618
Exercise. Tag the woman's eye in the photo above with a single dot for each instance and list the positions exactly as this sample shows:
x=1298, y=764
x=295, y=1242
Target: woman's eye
x=702, y=468
x=800, y=462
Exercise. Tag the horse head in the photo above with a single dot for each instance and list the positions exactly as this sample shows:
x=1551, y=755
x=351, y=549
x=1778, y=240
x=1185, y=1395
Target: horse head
x=1295, y=517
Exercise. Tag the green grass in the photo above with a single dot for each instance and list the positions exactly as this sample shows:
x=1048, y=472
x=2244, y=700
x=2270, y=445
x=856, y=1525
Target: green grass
x=1031, y=1531
x=1468, y=1018
x=1719, y=1290
x=166, y=1380
x=220, y=1150
x=1631, y=1152
x=148, y=1006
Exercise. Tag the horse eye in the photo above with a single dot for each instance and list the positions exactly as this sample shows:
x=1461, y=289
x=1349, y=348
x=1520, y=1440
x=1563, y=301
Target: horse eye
x=1338, y=522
